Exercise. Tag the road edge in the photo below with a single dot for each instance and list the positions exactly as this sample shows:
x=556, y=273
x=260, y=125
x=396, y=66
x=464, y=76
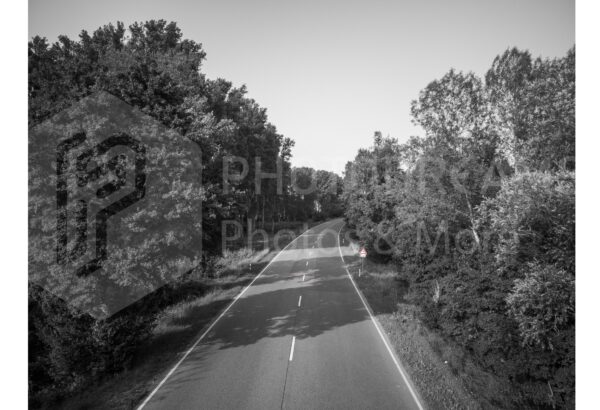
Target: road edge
x=384, y=337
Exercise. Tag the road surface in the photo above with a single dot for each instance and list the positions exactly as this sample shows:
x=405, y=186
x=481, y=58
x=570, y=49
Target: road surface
x=299, y=337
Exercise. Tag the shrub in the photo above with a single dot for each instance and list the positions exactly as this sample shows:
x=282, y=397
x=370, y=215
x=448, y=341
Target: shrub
x=533, y=218
x=543, y=303
x=69, y=349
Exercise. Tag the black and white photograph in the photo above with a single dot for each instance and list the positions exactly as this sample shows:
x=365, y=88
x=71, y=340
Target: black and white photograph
x=327, y=204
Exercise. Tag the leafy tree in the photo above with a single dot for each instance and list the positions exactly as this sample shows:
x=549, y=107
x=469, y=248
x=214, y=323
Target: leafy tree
x=534, y=109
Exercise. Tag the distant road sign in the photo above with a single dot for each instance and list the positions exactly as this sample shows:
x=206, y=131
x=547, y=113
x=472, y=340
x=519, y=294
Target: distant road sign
x=363, y=253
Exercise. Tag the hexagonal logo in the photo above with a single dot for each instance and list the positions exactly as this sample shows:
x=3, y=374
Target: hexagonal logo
x=115, y=205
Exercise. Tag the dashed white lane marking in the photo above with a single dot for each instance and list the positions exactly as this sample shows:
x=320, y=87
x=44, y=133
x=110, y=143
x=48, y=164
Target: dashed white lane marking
x=375, y=323
x=299, y=301
x=292, y=349
x=303, y=277
x=187, y=353
x=307, y=264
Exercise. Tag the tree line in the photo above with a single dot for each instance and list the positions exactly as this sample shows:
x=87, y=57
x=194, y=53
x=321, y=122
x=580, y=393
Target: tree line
x=154, y=69
x=479, y=217
x=247, y=177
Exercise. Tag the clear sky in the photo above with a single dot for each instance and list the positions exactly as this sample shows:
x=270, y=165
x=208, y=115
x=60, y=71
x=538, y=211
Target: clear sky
x=330, y=73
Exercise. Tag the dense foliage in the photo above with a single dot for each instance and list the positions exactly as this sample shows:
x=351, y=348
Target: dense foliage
x=479, y=216
x=157, y=71
x=153, y=68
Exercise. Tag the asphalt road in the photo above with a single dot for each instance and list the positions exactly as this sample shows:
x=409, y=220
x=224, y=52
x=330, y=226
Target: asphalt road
x=299, y=337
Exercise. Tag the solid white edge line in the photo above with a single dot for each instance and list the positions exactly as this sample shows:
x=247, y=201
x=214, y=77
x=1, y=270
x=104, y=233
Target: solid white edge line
x=292, y=349
x=376, y=324
x=187, y=353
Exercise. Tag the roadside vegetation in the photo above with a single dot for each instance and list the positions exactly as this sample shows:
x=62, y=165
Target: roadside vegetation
x=476, y=225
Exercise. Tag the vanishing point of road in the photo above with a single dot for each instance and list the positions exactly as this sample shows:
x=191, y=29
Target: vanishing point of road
x=298, y=337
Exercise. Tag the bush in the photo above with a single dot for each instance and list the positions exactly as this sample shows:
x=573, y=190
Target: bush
x=69, y=349
x=543, y=304
x=533, y=218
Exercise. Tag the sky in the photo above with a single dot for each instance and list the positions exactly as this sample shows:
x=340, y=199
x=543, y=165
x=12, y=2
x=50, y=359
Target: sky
x=331, y=73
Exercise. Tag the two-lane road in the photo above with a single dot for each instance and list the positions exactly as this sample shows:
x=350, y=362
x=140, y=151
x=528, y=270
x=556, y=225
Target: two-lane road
x=299, y=337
